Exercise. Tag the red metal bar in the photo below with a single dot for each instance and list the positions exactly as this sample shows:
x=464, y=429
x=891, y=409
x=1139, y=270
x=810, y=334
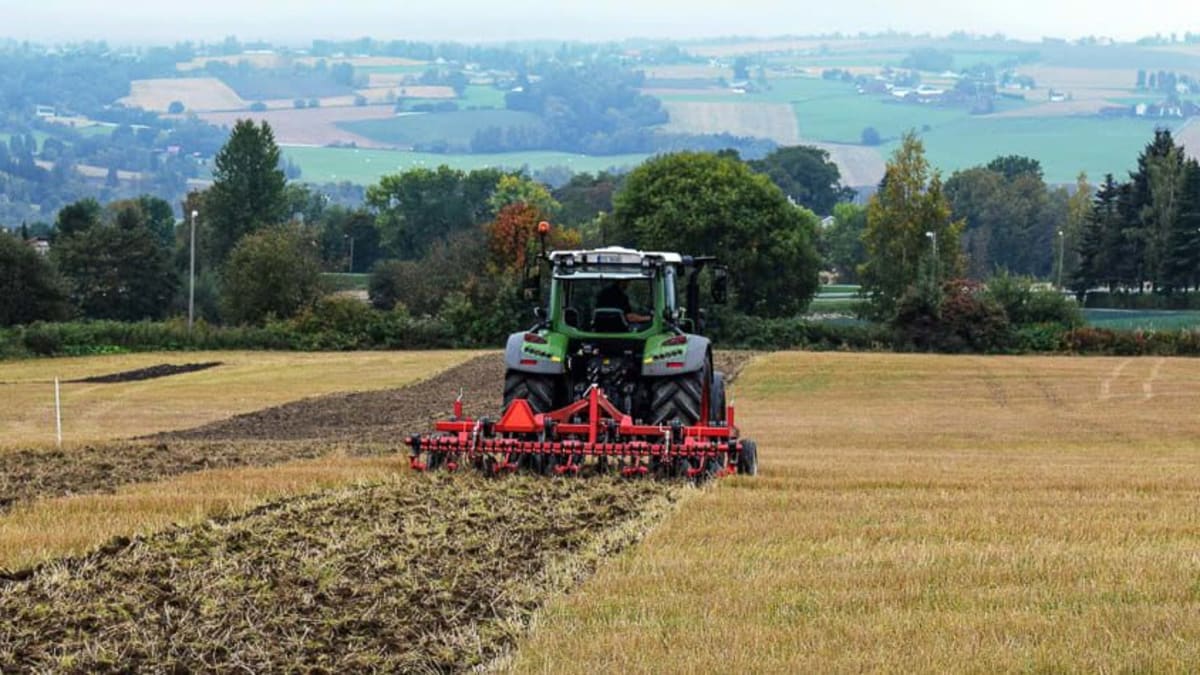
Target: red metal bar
x=593, y=413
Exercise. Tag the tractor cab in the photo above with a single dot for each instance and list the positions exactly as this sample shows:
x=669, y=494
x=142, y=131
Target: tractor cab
x=612, y=292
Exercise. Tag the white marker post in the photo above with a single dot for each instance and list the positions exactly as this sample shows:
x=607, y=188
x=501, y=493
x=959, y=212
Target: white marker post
x=58, y=412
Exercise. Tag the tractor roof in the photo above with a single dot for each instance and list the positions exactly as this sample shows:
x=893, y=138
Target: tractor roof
x=615, y=255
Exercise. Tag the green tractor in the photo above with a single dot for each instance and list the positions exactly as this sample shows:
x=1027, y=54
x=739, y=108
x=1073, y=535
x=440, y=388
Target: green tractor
x=616, y=368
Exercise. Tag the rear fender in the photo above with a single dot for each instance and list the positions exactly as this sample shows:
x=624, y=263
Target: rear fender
x=657, y=357
x=539, y=359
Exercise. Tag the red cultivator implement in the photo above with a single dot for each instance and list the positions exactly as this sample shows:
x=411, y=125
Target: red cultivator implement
x=591, y=432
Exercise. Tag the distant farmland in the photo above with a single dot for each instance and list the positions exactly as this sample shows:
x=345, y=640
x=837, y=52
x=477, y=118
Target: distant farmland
x=195, y=93
x=759, y=120
x=321, y=165
x=455, y=128
x=309, y=126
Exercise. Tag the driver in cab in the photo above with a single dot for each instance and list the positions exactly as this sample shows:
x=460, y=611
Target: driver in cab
x=614, y=296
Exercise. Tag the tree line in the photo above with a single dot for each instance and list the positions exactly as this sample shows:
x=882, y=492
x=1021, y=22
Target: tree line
x=1143, y=234
x=943, y=262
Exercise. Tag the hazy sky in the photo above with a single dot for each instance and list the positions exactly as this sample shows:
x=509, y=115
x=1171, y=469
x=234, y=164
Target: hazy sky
x=298, y=21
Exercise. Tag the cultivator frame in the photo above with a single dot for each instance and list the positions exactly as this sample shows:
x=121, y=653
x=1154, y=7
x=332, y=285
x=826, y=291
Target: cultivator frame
x=591, y=427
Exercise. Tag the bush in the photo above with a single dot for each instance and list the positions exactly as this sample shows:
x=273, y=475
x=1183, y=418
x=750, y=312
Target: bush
x=749, y=332
x=1025, y=305
x=958, y=318
x=870, y=136
x=409, y=284
x=270, y=274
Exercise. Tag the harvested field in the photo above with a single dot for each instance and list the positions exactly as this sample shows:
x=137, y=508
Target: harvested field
x=430, y=573
x=197, y=94
x=859, y=165
x=920, y=514
x=47, y=529
x=310, y=126
x=247, y=381
x=1081, y=79
x=776, y=121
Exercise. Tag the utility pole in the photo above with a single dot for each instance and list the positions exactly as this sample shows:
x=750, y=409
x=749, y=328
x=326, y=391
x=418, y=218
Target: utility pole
x=350, y=263
x=192, y=275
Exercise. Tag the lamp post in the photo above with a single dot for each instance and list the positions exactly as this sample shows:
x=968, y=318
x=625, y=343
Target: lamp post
x=192, y=275
x=936, y=271
x=1062, y=247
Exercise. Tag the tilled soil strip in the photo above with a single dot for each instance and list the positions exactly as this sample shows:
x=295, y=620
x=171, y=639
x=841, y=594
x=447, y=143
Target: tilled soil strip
x=434, y=574
x=153, y=372
x=358, y=423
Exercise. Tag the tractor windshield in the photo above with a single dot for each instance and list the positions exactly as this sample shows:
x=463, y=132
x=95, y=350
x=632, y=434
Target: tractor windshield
x=608, y=305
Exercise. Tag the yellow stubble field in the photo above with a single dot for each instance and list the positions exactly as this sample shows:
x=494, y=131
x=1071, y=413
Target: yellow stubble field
x=920, y=513
x=244, y=382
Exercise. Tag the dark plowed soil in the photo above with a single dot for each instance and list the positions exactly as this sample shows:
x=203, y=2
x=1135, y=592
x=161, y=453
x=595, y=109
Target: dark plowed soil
x=438, y=574
x=385, y=416
x=28, y=474
x=361, y=423
x=162, y=370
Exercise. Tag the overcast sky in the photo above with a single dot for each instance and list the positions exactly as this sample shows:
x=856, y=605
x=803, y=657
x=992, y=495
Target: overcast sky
x=299, y=21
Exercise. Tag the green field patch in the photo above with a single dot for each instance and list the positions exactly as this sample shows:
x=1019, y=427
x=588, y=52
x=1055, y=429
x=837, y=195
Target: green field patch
x=478, y=96
x=365, y=167
x=841, y=119
x=456, y=128
x=1064, y=145
x=1135, y=319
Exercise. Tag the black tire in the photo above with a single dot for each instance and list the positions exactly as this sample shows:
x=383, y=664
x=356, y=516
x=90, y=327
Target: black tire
x=538, y=390
x=716, y=399
x=748, y=461
x=678, y=398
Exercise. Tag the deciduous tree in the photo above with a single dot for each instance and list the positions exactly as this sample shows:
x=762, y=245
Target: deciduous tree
x=699, y=203
x=272, y=273
x=904, y=220
x=30, y=288
x=807, y=175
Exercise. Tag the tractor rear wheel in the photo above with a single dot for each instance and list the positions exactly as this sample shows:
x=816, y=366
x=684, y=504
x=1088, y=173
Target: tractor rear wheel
x=538, y=391
x=716, y=399
x=678, y=398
